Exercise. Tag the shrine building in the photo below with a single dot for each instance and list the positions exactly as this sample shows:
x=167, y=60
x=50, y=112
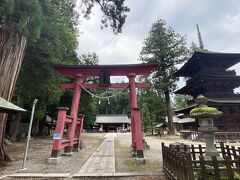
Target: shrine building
x=113, y=123
x=208, y=74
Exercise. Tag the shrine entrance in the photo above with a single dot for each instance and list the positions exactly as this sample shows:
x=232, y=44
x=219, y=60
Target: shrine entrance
x=73, y=140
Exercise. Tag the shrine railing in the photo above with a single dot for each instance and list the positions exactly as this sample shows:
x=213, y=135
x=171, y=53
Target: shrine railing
x=188, y=162
x=231, y=137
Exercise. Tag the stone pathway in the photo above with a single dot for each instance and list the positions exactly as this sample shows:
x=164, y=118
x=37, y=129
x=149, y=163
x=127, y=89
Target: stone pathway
x=102, y=161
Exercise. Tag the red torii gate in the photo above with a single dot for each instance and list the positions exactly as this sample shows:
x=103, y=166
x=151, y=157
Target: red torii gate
x=79, y=72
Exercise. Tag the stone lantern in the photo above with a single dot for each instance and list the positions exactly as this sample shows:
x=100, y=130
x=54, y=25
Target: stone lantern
x=205, y=116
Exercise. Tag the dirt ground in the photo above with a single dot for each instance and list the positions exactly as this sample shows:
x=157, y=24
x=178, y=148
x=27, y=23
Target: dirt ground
x=126, y=163
x=40, y=151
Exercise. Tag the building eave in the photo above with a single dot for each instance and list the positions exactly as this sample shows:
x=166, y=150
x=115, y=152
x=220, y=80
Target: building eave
x=232, y=58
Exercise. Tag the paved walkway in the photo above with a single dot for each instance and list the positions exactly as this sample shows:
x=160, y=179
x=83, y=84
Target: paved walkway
x=102, y=160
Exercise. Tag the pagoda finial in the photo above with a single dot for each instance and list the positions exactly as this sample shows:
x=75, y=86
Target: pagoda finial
x=201, y=46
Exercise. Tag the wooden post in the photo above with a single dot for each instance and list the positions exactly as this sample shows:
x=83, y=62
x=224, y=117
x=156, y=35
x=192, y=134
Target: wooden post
x=81, y=130
x=62, y=111
x=133, y=103
x=138, y=132
x=200, y=149
x=74, y=111
x=79, y=127
x=222, y=148
x=216, y=167
x=203, y=168
x=189, y=163
x=229, y=167
x=228, y=151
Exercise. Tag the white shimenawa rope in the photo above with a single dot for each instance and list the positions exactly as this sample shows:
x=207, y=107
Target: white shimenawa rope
x=104, y=97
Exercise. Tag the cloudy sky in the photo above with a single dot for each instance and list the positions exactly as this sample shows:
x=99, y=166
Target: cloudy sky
x=219, y=22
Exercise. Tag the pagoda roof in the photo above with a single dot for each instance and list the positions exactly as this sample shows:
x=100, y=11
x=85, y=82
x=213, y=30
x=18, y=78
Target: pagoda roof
x=114, y=70
x=201, y=59
x=211, y=101
x=197, y=82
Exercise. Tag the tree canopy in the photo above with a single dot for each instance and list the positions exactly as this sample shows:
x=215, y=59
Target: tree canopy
x=113, y=12
x=167, y=48
x=24, y=17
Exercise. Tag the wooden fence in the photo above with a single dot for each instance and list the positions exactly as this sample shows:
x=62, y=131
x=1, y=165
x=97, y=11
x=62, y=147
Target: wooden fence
x=191, y=164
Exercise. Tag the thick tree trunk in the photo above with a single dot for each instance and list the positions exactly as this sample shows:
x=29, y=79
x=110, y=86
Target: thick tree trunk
x=12, y=48
x=169, y=113
x=17, y=120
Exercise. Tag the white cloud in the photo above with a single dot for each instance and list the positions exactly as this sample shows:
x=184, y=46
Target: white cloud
x=219, y=24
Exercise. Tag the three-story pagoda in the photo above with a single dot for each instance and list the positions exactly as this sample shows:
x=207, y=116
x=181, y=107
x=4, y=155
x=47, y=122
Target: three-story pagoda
x=207, y=74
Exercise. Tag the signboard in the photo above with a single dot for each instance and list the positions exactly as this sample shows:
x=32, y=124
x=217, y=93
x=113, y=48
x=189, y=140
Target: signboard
x=104, y=78
x=56, y=136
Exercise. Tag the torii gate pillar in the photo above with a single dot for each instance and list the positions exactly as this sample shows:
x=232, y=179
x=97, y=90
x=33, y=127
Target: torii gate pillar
x=136, y=127
x=74, y=112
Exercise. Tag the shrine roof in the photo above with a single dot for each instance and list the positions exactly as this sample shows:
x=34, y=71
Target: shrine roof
x=114, y=70
x=188, y=108
x=185, y=109
x=207, y=59
x=112, y=119
x=8, y=107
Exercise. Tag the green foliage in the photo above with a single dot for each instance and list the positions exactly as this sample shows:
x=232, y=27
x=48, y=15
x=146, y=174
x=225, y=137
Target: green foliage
x=167, y=48
x=89, y=59
x=211, y=176
x=6, y=8
x=119, y=104
x=57, y=44
x=88, y=107
x=236, y=176
x=113, y=12
x=179, y=101
x=21, y=16
x=152, y=109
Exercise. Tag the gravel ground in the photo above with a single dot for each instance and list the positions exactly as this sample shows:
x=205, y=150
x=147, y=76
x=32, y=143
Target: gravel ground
x=40, y=151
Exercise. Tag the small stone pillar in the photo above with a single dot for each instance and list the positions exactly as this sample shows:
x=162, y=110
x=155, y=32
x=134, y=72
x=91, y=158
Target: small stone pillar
x=205, y=116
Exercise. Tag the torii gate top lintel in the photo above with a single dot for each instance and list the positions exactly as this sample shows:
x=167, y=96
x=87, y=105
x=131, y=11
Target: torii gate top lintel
x=114, y=70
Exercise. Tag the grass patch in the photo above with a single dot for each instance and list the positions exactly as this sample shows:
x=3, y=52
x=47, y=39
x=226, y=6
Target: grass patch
x=149, y=166
x=119, y=147
x=116, y=143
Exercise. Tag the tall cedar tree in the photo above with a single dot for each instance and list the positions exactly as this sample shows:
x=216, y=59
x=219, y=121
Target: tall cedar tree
x=57, y=44
x=167, y=48
x=20, y=21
